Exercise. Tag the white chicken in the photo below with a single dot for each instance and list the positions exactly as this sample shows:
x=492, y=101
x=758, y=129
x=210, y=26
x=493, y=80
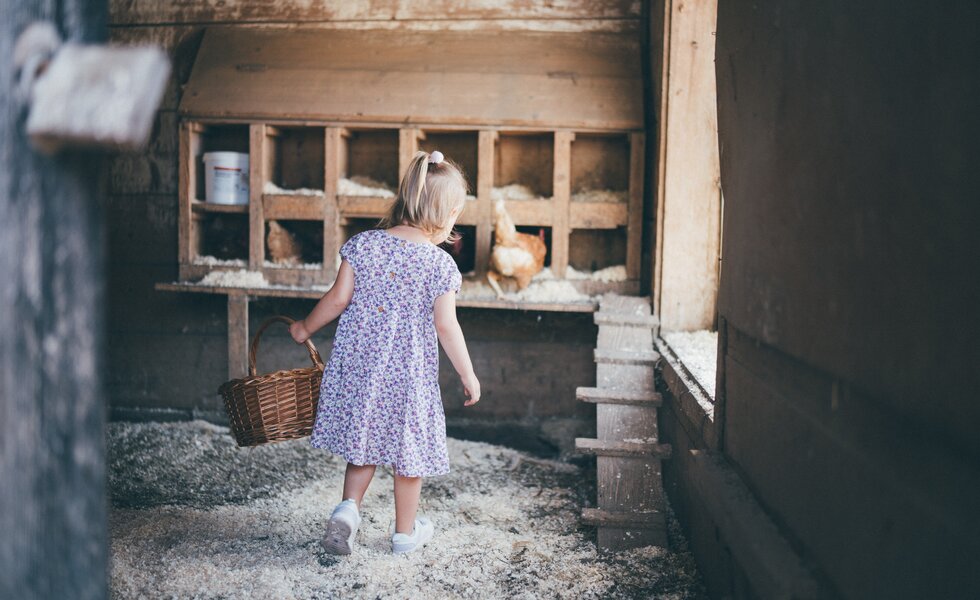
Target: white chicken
x=517, y=255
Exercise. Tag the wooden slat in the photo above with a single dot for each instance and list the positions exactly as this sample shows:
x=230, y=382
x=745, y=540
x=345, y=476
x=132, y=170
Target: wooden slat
x=617, y=538
x=373, y=207
x=634, y=226
x=237, y=335
x=486, y=149
x=311, y=293
x=607, y=396
x=371, y=12
x=618, y=448
x=561, y=192
x=187, y=176
x=587, y=80
x=626, y=422
x=597, y=215
x=647, y=321
x=293, y=206
x=210, y=207
x=630, y=519
x=408, y=145
x=626, y=357
x=259, y=173
x=335, y=160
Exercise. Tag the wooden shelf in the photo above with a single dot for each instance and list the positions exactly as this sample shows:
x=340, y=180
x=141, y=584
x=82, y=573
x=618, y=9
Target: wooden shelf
x=210, y=207
x=282, y=291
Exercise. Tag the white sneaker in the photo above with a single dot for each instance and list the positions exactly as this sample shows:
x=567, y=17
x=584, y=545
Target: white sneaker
x=421, y=534
x=344, y=521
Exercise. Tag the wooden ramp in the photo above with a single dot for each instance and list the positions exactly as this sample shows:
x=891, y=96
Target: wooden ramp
x=628, y=454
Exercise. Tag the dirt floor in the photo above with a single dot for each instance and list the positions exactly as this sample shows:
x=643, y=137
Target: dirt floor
x=193, y=516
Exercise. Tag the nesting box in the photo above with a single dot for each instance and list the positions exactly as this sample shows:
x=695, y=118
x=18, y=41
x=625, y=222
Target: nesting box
x=552, y=123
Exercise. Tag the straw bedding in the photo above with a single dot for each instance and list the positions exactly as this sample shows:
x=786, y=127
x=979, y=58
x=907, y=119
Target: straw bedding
x=193, y=516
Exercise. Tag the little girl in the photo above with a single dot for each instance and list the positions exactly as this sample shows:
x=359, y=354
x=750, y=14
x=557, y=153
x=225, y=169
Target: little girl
x=380, y=402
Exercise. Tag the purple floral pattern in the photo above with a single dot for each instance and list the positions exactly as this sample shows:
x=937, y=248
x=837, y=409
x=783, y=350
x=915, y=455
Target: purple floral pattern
x=380, y=402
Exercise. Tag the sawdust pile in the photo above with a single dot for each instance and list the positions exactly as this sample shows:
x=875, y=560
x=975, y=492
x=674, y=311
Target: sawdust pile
x=698, y=351
x=514, y=191
x=600, y=196
x=363, y=186
x=239, y=278
x=271, y=188
x=193, y=516
x=212, y=261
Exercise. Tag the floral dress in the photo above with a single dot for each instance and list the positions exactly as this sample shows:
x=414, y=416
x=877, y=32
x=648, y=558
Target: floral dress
x=380, y=402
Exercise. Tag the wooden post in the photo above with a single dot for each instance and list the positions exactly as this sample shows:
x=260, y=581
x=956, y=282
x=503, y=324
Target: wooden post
x=634, y=219
x=486, y=147
x=52, y=358
x=237, y=336
x=333, y=159
x=258, y=175
x=408, y=145
x=561, y=193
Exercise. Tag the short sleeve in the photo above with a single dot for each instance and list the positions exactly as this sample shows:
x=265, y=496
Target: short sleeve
x=447, y=278
x=350, y=250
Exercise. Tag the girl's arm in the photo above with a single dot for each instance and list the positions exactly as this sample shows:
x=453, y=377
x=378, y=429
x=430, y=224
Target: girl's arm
x=329, y=307
x=451, y=337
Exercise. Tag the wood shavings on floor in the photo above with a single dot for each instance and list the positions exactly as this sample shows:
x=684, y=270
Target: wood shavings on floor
x=600, y=196
x=273, y=189
x=193, y=516
x=698, y=352
x=363, y=186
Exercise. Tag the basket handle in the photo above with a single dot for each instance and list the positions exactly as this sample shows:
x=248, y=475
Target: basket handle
x=314, y=355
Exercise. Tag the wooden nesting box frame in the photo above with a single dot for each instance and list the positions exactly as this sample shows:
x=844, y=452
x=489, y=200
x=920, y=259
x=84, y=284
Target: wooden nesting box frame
x=572, y=97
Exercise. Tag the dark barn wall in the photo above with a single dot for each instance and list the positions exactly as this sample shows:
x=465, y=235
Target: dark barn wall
x=849, y=285
x=167, y=351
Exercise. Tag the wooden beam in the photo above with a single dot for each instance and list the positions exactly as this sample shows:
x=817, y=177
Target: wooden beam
x=486, y=149
x=187, y=182
x=293, y=207
x=561, y=194
x=258, y=145
x=408, y=145
x=634, y=222
x=334, y=161
x=568, y=15
x=237, y=335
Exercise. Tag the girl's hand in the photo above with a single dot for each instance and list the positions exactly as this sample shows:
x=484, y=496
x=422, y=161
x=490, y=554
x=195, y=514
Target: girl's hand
x=299, y=332
x=471, y=385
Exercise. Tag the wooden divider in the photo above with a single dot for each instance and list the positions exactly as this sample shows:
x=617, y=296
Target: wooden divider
x=561, y=194
x=484, y=208
x=334, y=159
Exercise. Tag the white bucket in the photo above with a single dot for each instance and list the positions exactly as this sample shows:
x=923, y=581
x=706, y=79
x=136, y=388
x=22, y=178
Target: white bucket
x=226, y=177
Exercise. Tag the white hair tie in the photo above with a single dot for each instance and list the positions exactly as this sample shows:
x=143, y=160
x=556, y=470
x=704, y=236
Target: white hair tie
x=435, y=157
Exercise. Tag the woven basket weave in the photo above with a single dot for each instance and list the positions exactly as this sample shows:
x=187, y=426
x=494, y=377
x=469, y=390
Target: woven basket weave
x=277, y=406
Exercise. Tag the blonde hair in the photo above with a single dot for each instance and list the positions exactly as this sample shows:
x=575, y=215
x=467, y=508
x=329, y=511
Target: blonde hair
x=427, y=196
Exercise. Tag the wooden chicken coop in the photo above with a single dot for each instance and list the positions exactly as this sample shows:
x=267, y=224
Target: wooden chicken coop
x=552, y=123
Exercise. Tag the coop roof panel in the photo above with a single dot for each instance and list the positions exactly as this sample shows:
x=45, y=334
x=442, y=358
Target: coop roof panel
x=582, y=80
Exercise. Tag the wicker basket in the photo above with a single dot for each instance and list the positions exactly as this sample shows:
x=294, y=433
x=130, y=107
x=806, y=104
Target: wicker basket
x=274, y=407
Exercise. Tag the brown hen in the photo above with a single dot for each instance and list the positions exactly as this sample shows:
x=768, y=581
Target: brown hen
x=516, y=255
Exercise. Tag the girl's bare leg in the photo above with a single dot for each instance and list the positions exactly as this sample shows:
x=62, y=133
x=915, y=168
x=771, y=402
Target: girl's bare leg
x=356, y=481
x=407, y=491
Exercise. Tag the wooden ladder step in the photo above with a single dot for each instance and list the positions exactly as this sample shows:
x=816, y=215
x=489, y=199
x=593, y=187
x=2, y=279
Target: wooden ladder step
x=611, y=396
x=626, y=520
x=626, y=320
x=626, y=357
x=625, y=449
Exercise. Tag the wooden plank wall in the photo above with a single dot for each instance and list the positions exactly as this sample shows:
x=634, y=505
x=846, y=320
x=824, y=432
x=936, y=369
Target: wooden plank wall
x=154, y=336
x=689, y=191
